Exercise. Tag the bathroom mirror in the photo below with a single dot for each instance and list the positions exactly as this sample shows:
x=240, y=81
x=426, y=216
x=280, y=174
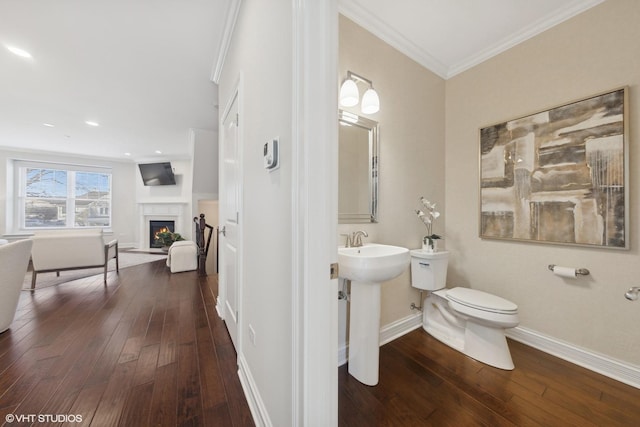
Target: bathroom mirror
x=357, y=169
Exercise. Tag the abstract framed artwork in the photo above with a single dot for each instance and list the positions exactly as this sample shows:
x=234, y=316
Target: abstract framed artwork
x=559, y=176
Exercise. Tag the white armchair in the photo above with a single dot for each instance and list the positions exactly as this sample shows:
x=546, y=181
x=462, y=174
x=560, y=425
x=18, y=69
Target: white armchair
x=14, y=260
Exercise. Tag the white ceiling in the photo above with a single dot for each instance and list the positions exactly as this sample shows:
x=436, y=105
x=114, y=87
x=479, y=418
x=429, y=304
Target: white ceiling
x=142, y=68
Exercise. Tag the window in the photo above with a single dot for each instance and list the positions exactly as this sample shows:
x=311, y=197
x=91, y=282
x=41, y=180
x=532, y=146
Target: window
x=62, y=196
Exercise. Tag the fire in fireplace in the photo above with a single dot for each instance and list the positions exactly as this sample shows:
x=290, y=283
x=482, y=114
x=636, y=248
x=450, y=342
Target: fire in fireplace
x=156, y=227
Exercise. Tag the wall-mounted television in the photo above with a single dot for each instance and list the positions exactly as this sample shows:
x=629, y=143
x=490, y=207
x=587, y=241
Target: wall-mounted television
x=157, y=173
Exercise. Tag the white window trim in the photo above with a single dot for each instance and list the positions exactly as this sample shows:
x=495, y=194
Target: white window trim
x=17, y=220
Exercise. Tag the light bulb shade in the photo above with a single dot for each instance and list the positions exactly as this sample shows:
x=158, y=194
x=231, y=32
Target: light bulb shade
x=349, y=95
x=370, y=102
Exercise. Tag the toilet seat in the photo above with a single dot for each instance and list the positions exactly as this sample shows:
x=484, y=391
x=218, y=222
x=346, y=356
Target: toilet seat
x=479, y=300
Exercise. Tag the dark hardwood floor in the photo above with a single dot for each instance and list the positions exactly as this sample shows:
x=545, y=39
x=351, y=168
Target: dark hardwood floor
x=425, y=383
x=149, y=349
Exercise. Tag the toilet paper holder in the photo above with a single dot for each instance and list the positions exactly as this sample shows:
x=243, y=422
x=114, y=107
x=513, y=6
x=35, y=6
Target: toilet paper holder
x=579, y=271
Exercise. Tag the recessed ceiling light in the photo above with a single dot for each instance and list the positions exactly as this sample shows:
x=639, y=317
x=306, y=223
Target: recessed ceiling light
x=49, y=125
x=127, y=154
x=90, y=123
x=158, y=152
x=20, y=52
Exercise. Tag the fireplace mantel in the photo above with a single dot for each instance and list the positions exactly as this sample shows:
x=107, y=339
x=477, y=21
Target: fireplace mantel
x=161, y=211
x=161, y=202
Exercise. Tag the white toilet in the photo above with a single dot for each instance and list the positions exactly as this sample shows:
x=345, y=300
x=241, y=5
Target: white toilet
x=471, y=321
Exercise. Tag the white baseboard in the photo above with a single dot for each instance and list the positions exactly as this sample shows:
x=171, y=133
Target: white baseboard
x=256, y=405
x=620, y=371
x=604, y=365
x=400, y=327
x=388, y=333
x=219, y=309
x=342, y=354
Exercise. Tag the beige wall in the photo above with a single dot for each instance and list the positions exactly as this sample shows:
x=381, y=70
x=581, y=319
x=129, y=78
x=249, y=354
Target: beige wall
x=411, y=119
x=591, y=53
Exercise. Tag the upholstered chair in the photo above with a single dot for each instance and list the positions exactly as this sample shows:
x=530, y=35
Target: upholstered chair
x=183, y=256
x=14, y=260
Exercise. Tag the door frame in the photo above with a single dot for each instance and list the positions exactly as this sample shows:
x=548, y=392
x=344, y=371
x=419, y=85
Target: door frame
x=236, y=96
x=315, y=212
x=314, y=130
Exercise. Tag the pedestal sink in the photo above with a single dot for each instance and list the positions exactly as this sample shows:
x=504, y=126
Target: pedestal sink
x=367, y=267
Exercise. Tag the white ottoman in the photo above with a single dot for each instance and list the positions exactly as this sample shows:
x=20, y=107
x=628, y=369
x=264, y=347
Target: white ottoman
x=183, y=256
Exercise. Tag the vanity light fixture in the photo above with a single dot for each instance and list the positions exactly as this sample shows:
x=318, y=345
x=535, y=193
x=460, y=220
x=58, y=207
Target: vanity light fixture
x=350, y=95
x=370, y=102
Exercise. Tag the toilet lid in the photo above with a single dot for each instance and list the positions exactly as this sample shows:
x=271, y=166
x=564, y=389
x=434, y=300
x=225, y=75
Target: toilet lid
x=481, y=300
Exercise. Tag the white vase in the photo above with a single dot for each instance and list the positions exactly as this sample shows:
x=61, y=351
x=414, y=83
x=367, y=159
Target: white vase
x=430, y=248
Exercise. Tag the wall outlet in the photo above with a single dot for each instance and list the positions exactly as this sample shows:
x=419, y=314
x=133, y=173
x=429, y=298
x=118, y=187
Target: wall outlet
x=252, y=335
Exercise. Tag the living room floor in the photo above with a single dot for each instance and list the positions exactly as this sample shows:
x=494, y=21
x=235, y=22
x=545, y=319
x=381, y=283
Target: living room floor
x=146, y=349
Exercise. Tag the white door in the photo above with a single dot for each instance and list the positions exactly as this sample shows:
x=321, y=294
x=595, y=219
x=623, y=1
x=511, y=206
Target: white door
x=230, y=196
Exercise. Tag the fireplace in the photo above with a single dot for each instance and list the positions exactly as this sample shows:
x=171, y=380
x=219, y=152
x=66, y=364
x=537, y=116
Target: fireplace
x=156, y=227
x=161, y=211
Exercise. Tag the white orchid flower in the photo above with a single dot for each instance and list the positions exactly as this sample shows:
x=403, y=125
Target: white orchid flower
x=428, y=218
x=427, y=204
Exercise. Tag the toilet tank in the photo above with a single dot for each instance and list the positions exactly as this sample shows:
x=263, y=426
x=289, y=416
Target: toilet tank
x=429, y=269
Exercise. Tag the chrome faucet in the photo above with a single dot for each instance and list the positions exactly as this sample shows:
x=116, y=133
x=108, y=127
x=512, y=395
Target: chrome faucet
x=356, y=239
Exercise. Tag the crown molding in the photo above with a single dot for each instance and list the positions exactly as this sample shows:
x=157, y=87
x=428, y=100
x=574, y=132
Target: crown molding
x=383, y=31
x=538, y=27
x=358, y=13
x=227, y=34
